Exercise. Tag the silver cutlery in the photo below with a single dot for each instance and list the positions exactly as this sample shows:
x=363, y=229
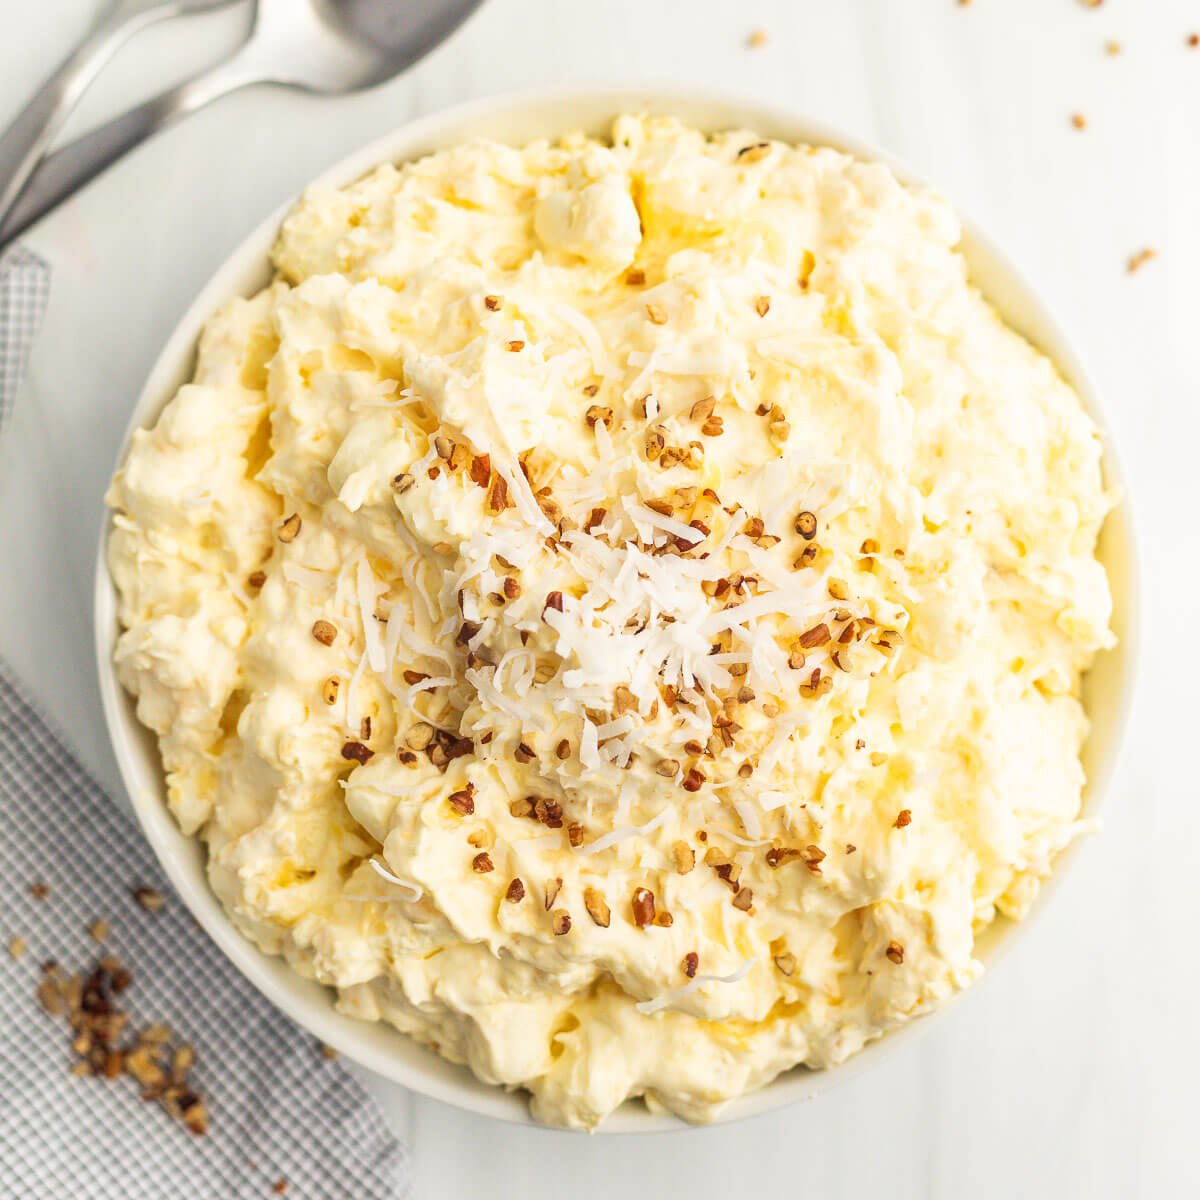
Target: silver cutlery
x=26, y=140
x=322, y=46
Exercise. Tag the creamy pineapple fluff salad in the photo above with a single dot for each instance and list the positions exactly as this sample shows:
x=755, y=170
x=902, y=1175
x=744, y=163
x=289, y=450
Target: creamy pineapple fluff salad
x=616, y=609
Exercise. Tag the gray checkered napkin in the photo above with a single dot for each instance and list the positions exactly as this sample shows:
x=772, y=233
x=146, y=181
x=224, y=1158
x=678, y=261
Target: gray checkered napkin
x=278, y=1110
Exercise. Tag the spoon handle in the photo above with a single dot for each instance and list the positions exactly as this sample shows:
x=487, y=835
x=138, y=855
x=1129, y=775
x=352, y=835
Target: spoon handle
x=30, y=134
x=64, y=172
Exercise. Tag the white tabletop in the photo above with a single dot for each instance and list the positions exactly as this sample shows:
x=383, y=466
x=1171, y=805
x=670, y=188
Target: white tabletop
x=1072, y=1071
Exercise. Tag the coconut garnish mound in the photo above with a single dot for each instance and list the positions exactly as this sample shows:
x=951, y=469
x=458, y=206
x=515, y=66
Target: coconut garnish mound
x=616, y=610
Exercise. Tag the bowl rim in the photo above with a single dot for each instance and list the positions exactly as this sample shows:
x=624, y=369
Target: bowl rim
x=180, y=857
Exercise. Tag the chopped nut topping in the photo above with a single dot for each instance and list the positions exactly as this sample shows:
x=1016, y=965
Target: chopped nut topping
x=693, y=780
x=762, y=305
x=553, y=887
x=560, y=922
x=690, y=964
x=467, y=631
x=597, y=907
x=554, y=600
x=357, y=752
x=838, y=589
x=98, y=930
x=684, y=857
x=895, y=952
x=818, y=635
x=516, y=345
x=482, y=863
x=420, y=735
x=744, y=900
x=325, y=632
x=515, y=892
x=599, y=415
x=256, y=579
x=635, y=278
x=497, y=499
x=703, y=409
x=491, y=303
x=463, y=801
x=903, y=818
x=806, y=525
x=329, y=691
x=524, y=753
x=481, y=470
x=813, y=856
x=785, y=963
x=575, y=833
x=548, y=812
x=643, y=907
x=748, y=155
x=656, y=314
x=668, y=768
x=289, y=528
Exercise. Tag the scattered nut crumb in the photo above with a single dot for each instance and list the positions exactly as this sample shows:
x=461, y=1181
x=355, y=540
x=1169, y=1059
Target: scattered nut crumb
x=17, y=946
x=289, y=528
x=1137, y=261
x=97, y=1023
x=643, y=907
x=149, y=898
x=39, y=890
x=99, y=929
x=895, y=952
x=756, y=39
x=1078, y=121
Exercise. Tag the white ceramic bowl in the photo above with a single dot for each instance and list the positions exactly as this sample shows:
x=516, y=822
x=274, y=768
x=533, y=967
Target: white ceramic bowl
x=517, y=119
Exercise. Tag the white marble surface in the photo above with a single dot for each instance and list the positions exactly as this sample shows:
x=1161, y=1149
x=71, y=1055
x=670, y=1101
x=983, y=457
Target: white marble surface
x=1073, y=1069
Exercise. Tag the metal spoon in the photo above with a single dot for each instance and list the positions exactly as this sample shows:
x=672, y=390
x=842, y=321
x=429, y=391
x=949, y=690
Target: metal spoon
x=29, y=136
x=324, y=46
